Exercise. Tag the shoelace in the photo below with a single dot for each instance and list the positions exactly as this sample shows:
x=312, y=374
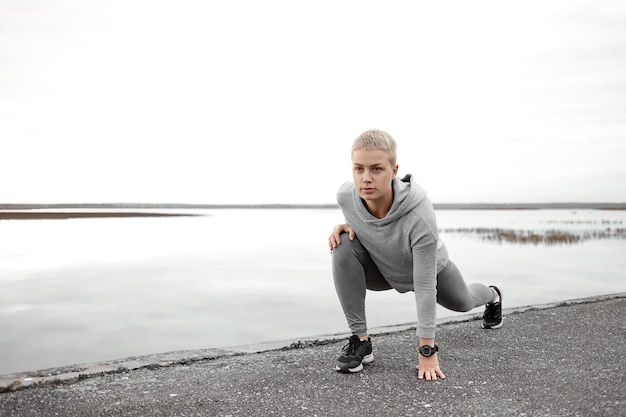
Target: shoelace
x=350, y=347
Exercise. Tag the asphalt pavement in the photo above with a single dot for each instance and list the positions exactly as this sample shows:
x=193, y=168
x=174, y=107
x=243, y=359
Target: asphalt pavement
x=562, y=359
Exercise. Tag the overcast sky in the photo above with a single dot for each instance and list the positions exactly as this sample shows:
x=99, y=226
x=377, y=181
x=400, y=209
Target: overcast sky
x=258, y=101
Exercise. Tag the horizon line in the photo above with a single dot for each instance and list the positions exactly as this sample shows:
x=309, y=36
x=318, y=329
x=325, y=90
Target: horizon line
x=439, y=206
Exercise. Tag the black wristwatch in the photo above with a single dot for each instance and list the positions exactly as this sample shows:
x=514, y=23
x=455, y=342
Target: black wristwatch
x=428, y=350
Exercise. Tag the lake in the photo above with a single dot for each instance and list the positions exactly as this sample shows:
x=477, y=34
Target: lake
x=85, y=290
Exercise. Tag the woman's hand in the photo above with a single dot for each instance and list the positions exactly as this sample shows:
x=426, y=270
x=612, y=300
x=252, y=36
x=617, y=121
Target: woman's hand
x=428, y=368
x=335, y=237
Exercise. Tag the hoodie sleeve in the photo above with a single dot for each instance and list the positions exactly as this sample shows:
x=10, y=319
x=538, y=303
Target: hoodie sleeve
x=425, y=285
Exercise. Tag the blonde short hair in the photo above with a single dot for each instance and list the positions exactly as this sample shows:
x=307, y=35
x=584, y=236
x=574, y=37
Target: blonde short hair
x=376, y=139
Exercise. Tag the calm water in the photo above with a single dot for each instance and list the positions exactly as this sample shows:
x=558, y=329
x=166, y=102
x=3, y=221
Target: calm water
x=84, y=290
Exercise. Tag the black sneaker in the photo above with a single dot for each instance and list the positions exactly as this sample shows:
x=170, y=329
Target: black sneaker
x=354, y=355
x=492, y=317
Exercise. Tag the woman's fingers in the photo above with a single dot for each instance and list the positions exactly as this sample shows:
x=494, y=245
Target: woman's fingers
x=429, y=373
x=335, y=237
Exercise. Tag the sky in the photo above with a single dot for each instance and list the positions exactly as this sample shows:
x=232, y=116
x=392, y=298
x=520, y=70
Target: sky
x=258, y=102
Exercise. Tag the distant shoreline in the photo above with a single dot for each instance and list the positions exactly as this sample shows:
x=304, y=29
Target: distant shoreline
x=440, y=206
x=58, y=215
x=107, y=210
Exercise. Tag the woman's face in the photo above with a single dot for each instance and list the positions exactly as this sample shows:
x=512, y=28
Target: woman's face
x=372, y=173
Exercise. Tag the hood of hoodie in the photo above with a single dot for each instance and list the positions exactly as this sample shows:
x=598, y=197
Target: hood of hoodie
x=406, y=196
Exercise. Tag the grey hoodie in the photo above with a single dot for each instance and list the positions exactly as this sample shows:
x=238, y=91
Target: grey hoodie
x=404, y=245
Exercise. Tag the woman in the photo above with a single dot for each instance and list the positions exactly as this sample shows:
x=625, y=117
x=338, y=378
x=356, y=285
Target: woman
x=390, y=240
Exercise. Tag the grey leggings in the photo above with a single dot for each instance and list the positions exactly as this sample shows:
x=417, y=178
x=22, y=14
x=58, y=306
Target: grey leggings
x=354, y=272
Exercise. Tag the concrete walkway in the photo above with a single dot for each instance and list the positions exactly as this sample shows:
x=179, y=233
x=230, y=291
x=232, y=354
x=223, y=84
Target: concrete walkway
x=566, y=359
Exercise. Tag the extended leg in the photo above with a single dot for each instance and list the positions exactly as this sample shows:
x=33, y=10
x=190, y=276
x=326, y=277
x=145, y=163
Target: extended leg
x=453, y=293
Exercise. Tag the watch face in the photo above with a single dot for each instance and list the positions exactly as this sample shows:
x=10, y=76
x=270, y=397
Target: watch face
x=427, y=350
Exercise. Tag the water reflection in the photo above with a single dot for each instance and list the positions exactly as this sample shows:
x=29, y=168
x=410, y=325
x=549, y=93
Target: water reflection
x=538, y=237
x=68, y=288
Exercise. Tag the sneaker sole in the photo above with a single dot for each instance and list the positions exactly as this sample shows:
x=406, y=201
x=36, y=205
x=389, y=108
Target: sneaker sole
x=366, y=359
x=497, y=326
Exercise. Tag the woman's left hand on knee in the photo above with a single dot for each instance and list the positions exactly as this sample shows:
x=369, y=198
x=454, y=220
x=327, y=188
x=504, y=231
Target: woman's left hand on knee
x=335, y=237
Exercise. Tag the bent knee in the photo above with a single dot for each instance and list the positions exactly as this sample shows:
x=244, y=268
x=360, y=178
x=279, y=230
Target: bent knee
x=346, y=244
x=347, y=249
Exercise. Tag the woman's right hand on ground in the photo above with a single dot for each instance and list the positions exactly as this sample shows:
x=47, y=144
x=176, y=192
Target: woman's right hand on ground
x=335, y=237
x=428, y=368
